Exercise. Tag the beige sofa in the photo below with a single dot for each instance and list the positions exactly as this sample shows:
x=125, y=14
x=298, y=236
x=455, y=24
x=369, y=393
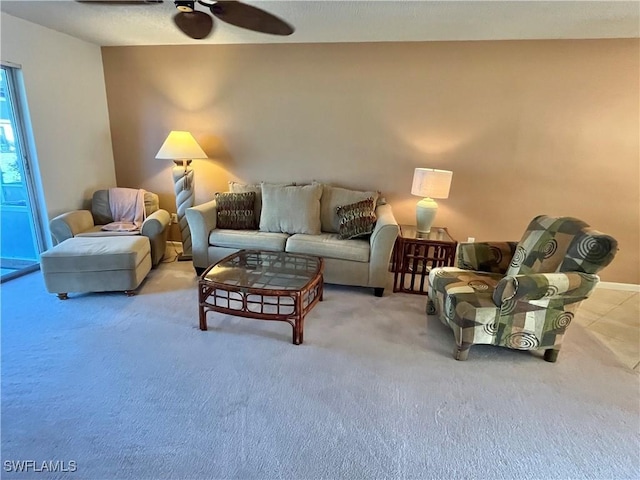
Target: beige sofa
x=301, y=219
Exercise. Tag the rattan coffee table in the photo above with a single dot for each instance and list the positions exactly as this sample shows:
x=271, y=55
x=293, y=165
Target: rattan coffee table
x=263, y=286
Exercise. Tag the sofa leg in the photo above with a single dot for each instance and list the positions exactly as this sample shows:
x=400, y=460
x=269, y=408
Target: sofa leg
x=63, y=296
x=551, y=355
x=378, y=291
x=461, y=352
x=199, y=270
x=129, y=293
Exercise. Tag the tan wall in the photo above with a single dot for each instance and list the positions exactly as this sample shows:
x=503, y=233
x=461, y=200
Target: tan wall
x=67, y=106
x=528, y=127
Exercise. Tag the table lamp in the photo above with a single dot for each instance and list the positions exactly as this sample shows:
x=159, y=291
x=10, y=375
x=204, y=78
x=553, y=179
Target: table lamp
x=182, y=148
x=429, y=183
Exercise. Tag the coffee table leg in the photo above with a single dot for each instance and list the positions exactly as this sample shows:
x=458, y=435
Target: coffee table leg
x=296, y=340
x=298, y=331
x=202, y=313
x=301, y=330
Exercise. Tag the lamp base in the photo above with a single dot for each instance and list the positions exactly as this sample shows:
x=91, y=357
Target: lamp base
x=426, y=210
x=183, y=187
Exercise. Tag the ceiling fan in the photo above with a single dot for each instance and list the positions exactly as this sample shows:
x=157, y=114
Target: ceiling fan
x=199, y=25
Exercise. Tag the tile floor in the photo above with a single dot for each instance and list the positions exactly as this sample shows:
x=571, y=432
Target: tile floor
x=613, y=317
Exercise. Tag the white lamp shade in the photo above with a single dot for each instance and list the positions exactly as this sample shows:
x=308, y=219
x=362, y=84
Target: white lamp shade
x=180, y=146
x=431, y=183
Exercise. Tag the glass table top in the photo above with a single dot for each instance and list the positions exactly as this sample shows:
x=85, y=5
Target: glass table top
x=265, y=270
x=436, y=234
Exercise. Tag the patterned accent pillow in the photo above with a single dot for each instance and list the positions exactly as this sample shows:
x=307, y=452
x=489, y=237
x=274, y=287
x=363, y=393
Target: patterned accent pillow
x=236, y=211
x=333, y=197
x=356, y=219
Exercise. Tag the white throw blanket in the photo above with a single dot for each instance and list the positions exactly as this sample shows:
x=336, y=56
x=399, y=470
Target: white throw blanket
x=127, y=209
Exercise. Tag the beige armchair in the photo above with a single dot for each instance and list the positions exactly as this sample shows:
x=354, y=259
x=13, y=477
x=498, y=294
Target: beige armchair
x=89, y=223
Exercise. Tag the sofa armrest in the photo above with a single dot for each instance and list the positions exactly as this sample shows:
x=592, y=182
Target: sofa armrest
x=70, y=224
x=489, y=257
x=156, y=223
x=382, y=240
x=201, y=220
x=576, y=285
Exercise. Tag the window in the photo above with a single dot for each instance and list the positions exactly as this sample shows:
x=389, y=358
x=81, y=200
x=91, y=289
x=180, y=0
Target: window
x=20, y=228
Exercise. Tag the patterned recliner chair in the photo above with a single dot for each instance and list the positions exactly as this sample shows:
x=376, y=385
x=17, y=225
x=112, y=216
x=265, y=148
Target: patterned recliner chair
x=520, y=295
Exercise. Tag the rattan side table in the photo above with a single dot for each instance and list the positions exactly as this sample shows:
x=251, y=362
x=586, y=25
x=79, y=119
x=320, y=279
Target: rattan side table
x=416, y=253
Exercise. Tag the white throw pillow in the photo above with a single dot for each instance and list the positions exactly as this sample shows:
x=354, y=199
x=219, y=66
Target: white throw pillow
x=235, y=187
x=334, y=197
x=292, y=209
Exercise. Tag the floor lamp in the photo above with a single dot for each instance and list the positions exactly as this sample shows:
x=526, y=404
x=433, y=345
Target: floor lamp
x=182, y=148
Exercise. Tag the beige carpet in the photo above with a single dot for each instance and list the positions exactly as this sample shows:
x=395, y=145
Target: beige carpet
x=130, y=388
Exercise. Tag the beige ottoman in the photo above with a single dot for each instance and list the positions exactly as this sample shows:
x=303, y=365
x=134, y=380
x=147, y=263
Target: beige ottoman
x=96, y=264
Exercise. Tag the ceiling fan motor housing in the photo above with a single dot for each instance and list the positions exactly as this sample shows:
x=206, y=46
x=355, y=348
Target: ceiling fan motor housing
x=185, y=5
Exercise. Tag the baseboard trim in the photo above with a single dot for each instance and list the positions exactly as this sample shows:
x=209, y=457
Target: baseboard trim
x=629, y=287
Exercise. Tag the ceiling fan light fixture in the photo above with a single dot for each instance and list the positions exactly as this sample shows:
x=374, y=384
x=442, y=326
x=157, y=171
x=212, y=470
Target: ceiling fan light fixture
x=198, y=25
x=185, y=5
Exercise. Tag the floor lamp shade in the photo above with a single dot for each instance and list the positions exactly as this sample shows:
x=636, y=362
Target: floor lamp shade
x=429, y=183
x=181, y=147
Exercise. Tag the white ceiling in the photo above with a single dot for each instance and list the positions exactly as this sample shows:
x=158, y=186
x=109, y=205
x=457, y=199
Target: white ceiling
x=323, y=21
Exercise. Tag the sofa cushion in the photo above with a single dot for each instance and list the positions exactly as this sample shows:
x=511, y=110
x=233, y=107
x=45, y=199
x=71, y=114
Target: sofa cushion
x=91, y=254
x=236, y=210
x=249, y=239
x=356, y=219
x=96, y=231
x=329, y=245
x=236, y=187
x=292, y=209
x=332, y=198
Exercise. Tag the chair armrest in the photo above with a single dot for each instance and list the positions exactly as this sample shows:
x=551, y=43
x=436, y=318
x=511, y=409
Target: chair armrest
x=381, y=245
x=537, y=286
x=70, y=224
x=490, y=257
x=155, y=228
x=201, y=220
x=155, y=223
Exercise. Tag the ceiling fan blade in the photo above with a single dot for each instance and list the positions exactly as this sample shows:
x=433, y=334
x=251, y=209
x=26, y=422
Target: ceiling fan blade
x=121, y=2
x=197, y=25
x=252, y=18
